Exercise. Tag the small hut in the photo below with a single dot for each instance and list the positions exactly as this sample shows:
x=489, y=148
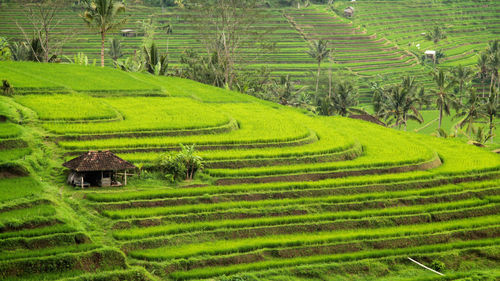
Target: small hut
x=430, y=54
x=349, y=11
x=97, y=168
x=128, y=32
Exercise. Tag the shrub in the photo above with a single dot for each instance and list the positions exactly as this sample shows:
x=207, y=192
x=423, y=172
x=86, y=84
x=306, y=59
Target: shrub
x=438, y=265
x=184, y=164
x=172, y=166
x=7, y=88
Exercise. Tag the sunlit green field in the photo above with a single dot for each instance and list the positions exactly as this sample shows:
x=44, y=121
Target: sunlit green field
x=285, y=194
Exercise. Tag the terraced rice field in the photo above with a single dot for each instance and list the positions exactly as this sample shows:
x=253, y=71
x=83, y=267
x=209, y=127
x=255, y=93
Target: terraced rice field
x=286, y=195
x=469, y=25
x=380, y=44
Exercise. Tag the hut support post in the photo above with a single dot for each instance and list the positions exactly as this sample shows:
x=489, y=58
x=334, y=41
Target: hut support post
x=125, y=179
x=82, y=182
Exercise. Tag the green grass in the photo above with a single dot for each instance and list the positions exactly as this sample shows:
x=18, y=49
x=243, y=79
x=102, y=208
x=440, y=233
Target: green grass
x=431, y=118
x=48, y=230
x=8, y=155
x=254, y=127
x=300, y=239
x=348, y=215
x=9, y=130
x=147, y=114
x=21, y=215
x=275, y=263
x=67, y=107
x=339, y=199
x=47, y=252
x=19, y=187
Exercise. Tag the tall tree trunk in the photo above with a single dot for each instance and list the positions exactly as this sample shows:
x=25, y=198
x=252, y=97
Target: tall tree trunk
x=498, y=81
x=102, y=48
x=491, y=127
x=440, y=116
x=330, y=84
x=491, y=84
x=46, y=43
x=461, y=91
x=482, y=80
x=317, y=77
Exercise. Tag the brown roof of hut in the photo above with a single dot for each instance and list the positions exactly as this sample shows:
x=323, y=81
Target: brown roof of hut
x=369, y=118
x=98, y=161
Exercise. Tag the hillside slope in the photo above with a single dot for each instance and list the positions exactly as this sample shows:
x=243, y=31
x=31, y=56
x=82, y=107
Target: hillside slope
x=285, y=195
x=381, y=43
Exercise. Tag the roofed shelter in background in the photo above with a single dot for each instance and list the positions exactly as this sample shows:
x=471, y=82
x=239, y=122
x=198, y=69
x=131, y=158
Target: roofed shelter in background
x=97, y=168
x=349, y=12
x=128, y=32
x=430, y=54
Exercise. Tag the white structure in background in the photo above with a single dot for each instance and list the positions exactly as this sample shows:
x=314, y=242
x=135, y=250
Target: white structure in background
x=430, y=54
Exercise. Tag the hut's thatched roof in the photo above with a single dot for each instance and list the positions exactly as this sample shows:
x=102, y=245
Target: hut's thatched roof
x=98, y=161
x=367, y=117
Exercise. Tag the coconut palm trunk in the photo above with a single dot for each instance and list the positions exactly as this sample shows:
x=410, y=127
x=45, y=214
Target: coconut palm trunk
x=103, y=38
x=491, y=83
x=440, y=116
x=317, y=77
x=491, y=127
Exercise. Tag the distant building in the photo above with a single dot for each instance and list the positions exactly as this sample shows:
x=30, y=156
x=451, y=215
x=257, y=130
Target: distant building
x=97, y=168
x=128, y=32
x=430, y=54
x=349, y=11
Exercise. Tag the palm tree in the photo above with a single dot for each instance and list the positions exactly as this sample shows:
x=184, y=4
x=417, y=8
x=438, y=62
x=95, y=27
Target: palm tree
x=377, y=99
x=20, y=51
x=102, y=16
x=399, y=106
x=462, y=76
x=288, y=93
x=490, y=60
x=319, y=51
x=482, y=67
x=344, y=98
x=493, y=47
x=155, y=63
x=409, y=83
x=5, y=53
x=480, y=136
x=115, y=49
x=470, y=112
x=423, y=98
x=491, y=109
x=435, y=34
x=168, y=30
x=179, y=3
x=445, y=99
x=493, y=64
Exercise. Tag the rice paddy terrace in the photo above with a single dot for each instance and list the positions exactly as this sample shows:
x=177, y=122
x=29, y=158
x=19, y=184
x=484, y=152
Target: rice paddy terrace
x=285, y=195
x=382, y=42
